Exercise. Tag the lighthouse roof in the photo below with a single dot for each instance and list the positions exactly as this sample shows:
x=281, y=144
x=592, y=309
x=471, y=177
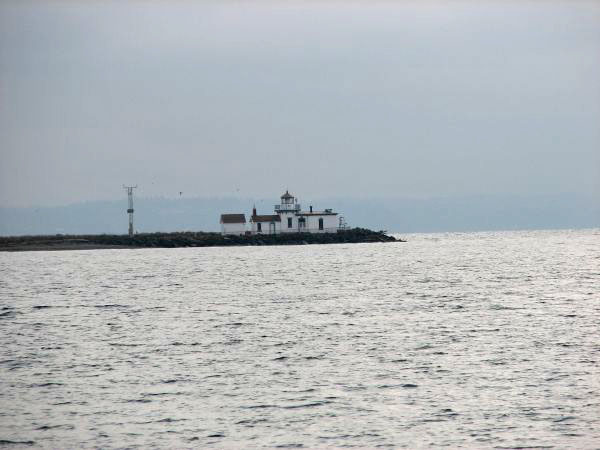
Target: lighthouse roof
x=316, y=213
x=233, y=218
x=266, y=218
x=287, y=195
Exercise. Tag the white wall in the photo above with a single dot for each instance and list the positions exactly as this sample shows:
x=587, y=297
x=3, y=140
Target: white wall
x=265, y=227
x=284, y=222
x=233, y=228
x=330, y=224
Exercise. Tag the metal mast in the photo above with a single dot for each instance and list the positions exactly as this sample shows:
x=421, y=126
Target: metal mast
x=129, y=190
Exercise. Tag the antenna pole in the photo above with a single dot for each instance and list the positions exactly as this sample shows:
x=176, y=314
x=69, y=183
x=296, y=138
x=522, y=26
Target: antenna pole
x=129, y=190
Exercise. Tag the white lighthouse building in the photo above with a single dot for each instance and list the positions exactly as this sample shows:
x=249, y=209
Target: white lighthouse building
x=294, y=220
x=288, y=218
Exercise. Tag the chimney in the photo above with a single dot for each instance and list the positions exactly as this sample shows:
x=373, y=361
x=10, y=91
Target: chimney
x=310, y=208
x=254, y=211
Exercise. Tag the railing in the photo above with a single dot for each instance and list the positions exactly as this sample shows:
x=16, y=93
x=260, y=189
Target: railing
x=297, y=230
x=295, y=207
x=311, y=230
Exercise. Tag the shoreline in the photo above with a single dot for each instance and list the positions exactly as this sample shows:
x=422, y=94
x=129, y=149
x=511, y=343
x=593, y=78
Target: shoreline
x=186, y=239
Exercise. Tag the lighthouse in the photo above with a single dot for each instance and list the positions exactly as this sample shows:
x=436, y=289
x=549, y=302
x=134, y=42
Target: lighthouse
x=288, y=210
x=288, y=218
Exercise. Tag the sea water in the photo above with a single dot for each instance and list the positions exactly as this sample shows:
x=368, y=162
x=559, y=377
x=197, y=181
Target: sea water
x=478, y=340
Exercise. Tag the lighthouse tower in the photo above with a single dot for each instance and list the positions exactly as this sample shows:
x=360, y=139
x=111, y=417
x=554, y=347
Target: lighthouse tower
x=288, y=210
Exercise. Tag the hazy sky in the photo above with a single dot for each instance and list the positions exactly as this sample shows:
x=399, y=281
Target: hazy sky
x=324, y=98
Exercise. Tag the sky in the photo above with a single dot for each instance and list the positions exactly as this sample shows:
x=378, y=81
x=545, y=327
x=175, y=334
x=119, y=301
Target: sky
x=325, y=98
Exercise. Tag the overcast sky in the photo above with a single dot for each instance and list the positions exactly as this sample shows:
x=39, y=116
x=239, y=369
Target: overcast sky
x=409, y=99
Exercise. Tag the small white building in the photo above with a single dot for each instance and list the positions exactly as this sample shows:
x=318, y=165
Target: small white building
x=288, y=218
x=233, y=224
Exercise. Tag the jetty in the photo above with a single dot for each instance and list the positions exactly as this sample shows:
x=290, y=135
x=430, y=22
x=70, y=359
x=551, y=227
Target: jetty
x=188, y=239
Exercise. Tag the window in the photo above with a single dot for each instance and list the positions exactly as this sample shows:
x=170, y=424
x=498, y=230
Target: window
x=259, y=227
x=321, y=223
x=301, y=222
x=289, y=222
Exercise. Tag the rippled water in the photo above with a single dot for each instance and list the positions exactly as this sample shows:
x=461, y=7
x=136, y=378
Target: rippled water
x=476, y=340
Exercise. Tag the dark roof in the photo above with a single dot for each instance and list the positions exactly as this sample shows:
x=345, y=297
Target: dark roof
x=317, y=213
x=233, y=218
x=266, y=218
x=287, y=195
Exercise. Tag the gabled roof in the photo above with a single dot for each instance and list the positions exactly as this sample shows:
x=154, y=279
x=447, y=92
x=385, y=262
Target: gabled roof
x=233, y=218
x=287, y=195
x=266, y=218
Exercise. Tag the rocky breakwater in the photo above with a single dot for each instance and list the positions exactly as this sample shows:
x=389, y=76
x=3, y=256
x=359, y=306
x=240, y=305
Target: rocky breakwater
x=187, y=239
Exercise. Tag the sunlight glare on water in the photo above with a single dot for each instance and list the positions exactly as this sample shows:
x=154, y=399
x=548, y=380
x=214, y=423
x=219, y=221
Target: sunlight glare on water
x=462, y=340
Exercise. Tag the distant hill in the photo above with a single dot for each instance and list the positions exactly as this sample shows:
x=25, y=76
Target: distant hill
x=403, y=215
